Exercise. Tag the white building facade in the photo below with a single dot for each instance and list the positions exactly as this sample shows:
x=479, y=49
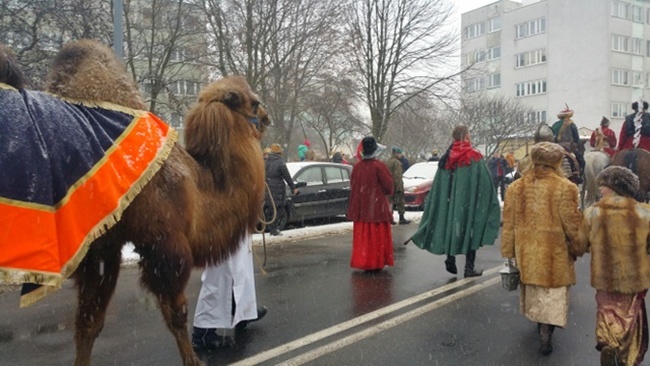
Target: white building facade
x=593, y=55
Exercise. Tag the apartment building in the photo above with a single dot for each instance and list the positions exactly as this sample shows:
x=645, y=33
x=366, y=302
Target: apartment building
x=592, y=55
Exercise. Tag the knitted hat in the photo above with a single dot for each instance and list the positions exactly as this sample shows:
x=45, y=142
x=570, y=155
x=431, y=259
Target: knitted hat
x=307, y=143
x=620, y=179
x=604, y=121
x=547, y=153
x=276, y=149
x=397, y=150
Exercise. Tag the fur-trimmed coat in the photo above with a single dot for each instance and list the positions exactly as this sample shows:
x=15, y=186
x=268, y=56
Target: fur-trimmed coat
x=541, y=222
x=615, y=231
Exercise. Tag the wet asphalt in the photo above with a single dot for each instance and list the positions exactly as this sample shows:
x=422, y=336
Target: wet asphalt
x=322, y=312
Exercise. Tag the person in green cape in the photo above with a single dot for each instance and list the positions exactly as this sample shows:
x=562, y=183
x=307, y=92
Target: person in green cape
x=462, y=211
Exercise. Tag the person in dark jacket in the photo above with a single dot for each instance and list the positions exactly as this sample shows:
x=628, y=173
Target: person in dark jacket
x=370, y=184
x=276, y=176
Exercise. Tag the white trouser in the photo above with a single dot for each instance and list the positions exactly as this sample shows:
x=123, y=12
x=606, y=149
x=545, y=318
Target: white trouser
x=233, y=278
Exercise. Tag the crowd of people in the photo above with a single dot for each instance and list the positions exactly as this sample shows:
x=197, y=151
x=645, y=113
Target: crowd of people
x=544, y=231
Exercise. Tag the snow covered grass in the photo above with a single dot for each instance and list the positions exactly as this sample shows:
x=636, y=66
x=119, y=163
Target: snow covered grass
x=292, y=235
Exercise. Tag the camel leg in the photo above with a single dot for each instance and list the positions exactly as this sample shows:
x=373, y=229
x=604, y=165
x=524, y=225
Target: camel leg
x=95, y=279
x=165, y=272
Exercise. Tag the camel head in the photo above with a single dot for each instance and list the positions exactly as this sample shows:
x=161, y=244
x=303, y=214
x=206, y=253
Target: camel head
x=222, y=130
x=10, y=71
x=88, y=70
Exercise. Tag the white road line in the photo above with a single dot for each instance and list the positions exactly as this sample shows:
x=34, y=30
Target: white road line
x=314, y=337
x=369, y=332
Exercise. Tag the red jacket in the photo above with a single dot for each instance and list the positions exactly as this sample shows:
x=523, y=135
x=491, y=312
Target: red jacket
x=370, y=184
x=626, y=137
x=609, y=137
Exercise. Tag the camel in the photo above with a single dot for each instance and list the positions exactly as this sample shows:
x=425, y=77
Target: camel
x=194, y=210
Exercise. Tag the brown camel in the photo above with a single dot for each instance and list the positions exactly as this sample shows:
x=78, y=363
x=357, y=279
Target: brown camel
x=194, y=210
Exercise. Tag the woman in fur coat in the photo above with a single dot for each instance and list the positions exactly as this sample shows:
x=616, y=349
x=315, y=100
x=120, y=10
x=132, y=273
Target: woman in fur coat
x=616, y=231
x=541, y=223
x=370, y=184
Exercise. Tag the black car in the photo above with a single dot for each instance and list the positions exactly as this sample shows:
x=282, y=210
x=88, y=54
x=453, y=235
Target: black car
x=324, y=191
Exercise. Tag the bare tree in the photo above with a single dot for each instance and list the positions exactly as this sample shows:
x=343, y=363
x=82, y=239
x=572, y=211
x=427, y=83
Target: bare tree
x=166, y=42
x=401, y=48
x=280, y=46
x=493, y=119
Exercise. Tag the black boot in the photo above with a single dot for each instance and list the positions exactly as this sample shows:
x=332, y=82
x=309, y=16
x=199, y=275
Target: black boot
x=402, y=220
x=261, y=313
x=546, y=339
x=470, y=257
x=207, y=339
x=450, y=264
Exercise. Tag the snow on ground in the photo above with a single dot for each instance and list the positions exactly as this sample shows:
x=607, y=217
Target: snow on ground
x=292, y=235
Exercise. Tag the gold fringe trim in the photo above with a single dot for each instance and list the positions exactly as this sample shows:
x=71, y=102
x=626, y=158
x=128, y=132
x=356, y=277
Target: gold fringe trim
x=29, y=205
x=100, y=104
x=7, y=86
x=55, y=281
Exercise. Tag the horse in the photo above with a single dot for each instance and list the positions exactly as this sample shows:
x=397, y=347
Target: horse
x=638, y=161
x=191, y=213
x=595, y=162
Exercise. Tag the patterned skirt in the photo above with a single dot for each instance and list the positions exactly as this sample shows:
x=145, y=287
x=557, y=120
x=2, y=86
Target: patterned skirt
x=622, y=323
x=372, y=245
x=545, y=305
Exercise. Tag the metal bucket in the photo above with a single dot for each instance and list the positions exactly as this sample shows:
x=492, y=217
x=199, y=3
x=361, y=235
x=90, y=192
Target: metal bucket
x=509, y=276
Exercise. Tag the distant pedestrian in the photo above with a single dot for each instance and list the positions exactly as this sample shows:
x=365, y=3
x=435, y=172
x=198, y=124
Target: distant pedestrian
x=370, y=184
x=277, y=175
x=302, y=149
x=397, y=199
x=434, y=155
x=498, y=166
x=616, y=233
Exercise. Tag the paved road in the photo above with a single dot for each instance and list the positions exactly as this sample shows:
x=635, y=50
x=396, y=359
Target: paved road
x=323, y=313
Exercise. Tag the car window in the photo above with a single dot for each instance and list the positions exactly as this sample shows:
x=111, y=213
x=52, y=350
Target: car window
x=333, y=174
x=312, y=176
x=422, y=171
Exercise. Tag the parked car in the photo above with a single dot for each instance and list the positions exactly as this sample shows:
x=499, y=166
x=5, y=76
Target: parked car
x=324, y=191
x=417, y=183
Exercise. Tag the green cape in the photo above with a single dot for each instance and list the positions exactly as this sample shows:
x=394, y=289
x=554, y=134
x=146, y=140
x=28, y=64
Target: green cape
x=461, y=211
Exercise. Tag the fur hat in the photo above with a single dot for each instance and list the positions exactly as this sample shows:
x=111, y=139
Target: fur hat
x=620, y=179
x=276, y=149
x=266, y=150
x=604, y=121
x=547, y=153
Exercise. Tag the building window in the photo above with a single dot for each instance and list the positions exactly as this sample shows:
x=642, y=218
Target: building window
x=620, y=43
x=637, y=79
x=475, y=84
x=530, y=28
x=620, y=10
x=530, y=58
x=475, y=30
x=494, y=81
x=536, y=117
x=530, y=88
x=618, y=109
x=647, y=48
x=620, y=77
x=493, y=25
x=494, y=53
x=637, y=14
x=636, y=46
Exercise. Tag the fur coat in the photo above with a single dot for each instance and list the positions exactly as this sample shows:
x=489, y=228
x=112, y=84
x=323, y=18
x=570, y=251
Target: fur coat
x=541, y=223
x=615, y=231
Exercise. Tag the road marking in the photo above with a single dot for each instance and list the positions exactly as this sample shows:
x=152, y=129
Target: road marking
x=369, y=332
x=315, y=337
